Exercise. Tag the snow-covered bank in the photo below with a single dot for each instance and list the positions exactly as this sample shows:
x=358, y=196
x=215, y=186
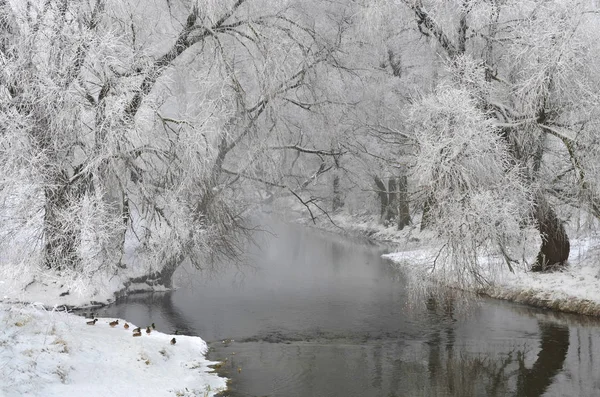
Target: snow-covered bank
x=44, y=352
x=27, y=284
x=575, y=289
x=49, y=353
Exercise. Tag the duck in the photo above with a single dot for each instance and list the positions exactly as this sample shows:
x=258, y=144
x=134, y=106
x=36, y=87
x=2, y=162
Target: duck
x=113, y=323
x=173, y=341
x=137, y=334
x=138, y=329
x=148, y=330
x=93, y=322
x=126, y=326
x=176, y=332
x=153, y=326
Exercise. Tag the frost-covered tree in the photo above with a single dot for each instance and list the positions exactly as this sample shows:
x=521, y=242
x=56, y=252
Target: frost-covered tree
x=475, y=197
x=527, y=66
x=127, y=129
x=375, y=78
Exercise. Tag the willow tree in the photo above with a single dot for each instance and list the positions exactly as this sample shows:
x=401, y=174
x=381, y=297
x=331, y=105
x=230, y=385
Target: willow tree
x=119, y=136
x=463, y=168
x=527, y=65
x=536, y=57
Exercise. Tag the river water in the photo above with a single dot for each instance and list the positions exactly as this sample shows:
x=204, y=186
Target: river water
x=315, y=314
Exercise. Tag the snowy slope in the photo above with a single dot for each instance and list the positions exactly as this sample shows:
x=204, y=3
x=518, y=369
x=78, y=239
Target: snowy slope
x=47, y=353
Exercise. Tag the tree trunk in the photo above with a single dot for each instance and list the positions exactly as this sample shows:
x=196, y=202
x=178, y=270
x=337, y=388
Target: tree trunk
x=338, y=202
x=60, y=238
x=125, y=215
x=392, y=209
x=426, y=209
x=163, y=278
x=403, y=206
x=383, y=196
x=554, y=251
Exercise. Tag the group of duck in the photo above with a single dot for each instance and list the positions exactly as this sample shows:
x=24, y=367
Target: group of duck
x=136, y=331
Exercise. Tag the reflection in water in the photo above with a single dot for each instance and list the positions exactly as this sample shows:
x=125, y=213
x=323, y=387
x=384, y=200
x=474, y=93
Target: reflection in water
x=554, y=346
x=147, y=308
x=319, y=315
x=460, y=374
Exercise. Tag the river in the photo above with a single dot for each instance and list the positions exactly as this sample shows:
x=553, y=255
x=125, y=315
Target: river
x=316, y=314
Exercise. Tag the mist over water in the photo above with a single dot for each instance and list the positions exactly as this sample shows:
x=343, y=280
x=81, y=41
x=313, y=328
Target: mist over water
x=315, y=314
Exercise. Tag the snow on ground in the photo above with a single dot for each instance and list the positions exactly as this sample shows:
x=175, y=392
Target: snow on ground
x=26, y=284
x=575, y=289
x=51, y=353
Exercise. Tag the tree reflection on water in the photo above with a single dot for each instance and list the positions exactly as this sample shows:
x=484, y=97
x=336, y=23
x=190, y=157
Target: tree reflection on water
x=454, y=372
x=554, y=346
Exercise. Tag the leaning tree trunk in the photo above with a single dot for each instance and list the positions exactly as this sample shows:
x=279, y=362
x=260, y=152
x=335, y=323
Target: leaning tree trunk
x=162, y=278
x=554, y=251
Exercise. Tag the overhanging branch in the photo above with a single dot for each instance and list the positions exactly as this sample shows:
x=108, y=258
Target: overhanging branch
x=253, y=178
x=309, y=151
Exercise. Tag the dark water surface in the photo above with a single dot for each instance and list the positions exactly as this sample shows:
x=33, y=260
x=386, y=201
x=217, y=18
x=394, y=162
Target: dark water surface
x=314, y=314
